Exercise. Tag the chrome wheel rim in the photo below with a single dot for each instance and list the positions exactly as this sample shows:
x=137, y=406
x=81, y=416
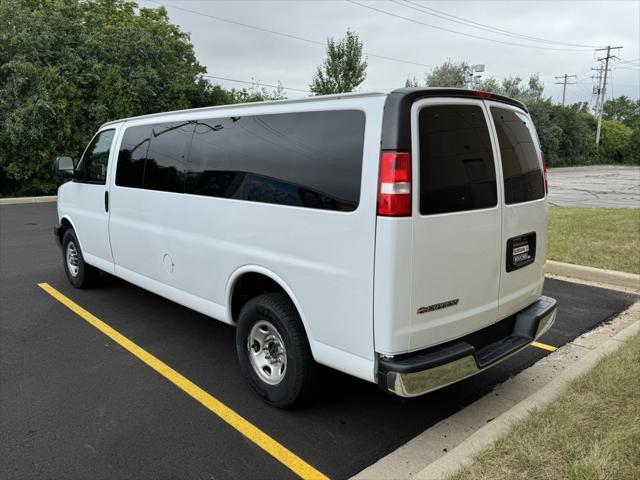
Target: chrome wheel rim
x=72, y=259
x=267, y=352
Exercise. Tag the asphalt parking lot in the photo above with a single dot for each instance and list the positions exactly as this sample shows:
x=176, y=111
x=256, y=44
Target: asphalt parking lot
x=595, y=186
x=75, y=404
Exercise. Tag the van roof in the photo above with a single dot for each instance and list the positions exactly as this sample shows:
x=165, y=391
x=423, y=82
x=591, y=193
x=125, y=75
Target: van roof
x=318, y=98
x=406, y=94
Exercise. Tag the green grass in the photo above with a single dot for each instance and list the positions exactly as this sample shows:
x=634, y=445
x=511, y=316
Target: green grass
x=590, y=432
x=598, y=237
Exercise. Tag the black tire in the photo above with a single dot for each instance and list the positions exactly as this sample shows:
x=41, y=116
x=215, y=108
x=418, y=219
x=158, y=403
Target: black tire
x=278, y=310
x=86, y=275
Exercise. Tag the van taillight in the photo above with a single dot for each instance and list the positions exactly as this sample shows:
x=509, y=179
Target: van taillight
x=544, y=169
x=394, y=185
x=482, y=94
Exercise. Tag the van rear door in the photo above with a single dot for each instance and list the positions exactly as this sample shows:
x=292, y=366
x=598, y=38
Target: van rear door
x=457, y=221
x=524, y=214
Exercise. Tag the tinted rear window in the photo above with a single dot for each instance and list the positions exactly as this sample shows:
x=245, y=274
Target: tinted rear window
x=309, y=159
x=167, y=157
x=457, y=170
x=523, y=177
x=132, y=155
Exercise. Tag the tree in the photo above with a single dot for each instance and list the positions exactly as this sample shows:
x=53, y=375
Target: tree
x=513, y=87
x=70, y=65
x=343, y=70
x=449, y=74
x=623, y=109
x=616, y=140
x=67, y=66
x=566, y=133
x=411, y=82
x=489, y=84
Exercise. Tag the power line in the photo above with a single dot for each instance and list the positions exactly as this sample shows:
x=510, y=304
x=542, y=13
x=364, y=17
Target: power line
x=635, y=60
x=258, y=84
x=585, y=90
x=481, y=26
x=413, y=20
x=283, y=34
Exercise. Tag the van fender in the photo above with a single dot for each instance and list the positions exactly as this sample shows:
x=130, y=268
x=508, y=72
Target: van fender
x=235, y=276
x=73, y=226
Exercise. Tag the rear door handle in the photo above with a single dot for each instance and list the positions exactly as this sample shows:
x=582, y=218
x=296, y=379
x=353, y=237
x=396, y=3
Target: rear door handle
x=106, y=201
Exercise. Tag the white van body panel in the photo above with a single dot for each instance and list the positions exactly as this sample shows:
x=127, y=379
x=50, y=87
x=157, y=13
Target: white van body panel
x=460, y=256
x=199, y=304
x=467, y=270
x=393, y=285
x=523, y=286
x=191, y=246
x=356, y=279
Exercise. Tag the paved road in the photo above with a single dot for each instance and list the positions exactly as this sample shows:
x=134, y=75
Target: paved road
x=76, y=405
x=613, y=187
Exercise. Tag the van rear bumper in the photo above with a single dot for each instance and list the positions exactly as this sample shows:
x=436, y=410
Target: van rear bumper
x=420, y=372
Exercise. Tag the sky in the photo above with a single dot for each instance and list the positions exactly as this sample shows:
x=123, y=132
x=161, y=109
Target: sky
x=552, y=38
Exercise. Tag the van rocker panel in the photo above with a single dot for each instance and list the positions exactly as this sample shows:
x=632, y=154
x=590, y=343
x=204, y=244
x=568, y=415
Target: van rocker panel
x=420, y=372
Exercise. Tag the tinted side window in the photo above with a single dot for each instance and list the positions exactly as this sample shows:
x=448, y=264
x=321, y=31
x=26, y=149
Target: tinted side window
x=166, y=158
x=457, y=170
x=308, y=159
x=94, y=163
x=523, y=177
x=132, y=155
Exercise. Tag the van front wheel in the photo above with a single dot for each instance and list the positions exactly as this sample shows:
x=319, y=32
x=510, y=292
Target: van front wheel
x=79, y=273
x=273, y=350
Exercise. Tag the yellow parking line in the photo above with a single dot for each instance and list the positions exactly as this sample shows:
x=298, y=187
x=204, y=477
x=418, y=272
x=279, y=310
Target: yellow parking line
x=246, y=428
x=544, y=346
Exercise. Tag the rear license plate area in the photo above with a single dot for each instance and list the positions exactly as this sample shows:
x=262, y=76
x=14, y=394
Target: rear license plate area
x=521, y=251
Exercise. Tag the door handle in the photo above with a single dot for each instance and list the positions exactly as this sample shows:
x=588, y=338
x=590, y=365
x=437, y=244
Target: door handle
x=106, y=201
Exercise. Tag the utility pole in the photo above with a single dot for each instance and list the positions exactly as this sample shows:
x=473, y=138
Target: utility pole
x=470, y=79
x=596, y=89
x=603, y=90
x=564, y=84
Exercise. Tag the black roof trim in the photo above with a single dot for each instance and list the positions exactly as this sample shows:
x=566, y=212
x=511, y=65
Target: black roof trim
x=396, y=125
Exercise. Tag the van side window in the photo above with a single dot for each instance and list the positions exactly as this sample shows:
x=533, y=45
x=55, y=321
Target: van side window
x=167, y=157
x=305, y=159
x=521, y=166
x=457, y=169
x=132, y=155
x=93, y=165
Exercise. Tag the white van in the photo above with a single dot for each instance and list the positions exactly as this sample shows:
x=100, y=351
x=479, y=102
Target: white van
x=397, y=237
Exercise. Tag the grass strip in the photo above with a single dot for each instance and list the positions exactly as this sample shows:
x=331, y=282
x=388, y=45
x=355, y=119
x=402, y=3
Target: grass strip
x=598, y=237
x=592, y=431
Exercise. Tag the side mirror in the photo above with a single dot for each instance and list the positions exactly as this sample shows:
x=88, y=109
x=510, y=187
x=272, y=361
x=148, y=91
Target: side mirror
x=64, y=167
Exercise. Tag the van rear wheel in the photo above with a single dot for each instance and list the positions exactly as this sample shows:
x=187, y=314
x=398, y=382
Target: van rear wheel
x=273, y=350
x=79, y=273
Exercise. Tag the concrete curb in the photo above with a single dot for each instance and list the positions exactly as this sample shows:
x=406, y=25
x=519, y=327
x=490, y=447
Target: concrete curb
x=485, y=437
x=16, y=200
x=611, y=277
